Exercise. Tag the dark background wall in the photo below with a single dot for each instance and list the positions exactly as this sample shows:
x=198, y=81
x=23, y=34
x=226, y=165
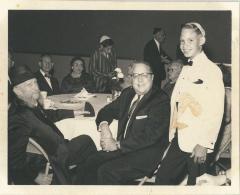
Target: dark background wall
x=77, y=32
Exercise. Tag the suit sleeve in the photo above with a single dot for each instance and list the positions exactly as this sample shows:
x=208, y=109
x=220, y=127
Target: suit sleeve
x=164, y=54
x=109, y=112
x=19, y=170
x=156, y=128
x=57, y=115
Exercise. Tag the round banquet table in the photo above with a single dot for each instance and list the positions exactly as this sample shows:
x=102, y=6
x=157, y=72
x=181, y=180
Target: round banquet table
x=98, y=101
x=73, y=127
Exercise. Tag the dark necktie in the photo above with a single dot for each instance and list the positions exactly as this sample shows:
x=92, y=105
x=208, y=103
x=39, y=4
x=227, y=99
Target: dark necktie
x=189, y=63
x=133, y=106
x=130, y=112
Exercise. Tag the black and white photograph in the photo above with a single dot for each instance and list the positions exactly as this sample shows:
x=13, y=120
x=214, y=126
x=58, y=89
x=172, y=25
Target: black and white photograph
x=120, y=97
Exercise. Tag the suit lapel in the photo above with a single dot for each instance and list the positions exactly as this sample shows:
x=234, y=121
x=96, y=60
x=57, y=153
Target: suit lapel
x=41, y=115
x=53, y=84
x=124, y=117
x=156, y=47
x=129, y=100
x=45, y=82
x=173, y=98
x=146, y=98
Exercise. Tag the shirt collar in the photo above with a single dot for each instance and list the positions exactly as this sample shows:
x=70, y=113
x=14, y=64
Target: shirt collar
x=198, y=58
x=9, y=80
x=158, y=44
x=43, y=73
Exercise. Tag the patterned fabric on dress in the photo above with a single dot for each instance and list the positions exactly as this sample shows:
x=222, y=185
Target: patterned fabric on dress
x=100, y=66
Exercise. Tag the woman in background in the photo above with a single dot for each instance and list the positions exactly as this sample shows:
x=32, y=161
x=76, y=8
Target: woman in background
x=77, y=79
x=102, y=63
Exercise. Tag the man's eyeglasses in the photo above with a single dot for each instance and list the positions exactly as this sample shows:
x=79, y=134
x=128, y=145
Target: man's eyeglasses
x=142, y=75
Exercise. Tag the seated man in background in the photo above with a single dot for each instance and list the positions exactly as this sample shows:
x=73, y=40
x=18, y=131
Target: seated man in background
x=142, y=112
x=127, y=81
x=174, y=70
x=44, y=76
x=27, y=119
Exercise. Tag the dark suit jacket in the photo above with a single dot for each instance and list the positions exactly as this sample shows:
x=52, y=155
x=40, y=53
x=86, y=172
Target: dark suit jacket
x=147, y=132
x=23, y=123
x=153, y=57
x=43, y=85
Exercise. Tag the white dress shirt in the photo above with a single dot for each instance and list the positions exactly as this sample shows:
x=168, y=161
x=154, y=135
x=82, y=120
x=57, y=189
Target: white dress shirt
x=158, y=45
x=46, y=78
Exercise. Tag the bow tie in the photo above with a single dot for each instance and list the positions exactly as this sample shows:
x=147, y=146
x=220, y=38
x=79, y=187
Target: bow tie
x=189, y=63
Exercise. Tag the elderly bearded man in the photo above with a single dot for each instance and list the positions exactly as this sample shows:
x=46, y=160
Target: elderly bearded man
x=27, y=119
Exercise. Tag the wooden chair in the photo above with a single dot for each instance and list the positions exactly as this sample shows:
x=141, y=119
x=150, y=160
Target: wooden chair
x=223, y=148
x=35, y=148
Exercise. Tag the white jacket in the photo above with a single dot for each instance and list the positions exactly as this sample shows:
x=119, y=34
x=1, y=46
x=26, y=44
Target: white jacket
x=200, y=93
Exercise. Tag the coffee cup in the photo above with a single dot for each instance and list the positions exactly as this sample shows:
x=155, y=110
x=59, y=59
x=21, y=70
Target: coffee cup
x=43, y=94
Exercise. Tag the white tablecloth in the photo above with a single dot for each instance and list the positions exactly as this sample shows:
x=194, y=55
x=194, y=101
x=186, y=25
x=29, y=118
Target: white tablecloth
x=99, y=101
x=73, y=127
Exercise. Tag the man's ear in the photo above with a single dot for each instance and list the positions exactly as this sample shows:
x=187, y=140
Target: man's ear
x=202, y=40
x=40, y=64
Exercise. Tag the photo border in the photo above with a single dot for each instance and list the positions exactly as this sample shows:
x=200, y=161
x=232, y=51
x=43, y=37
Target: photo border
x=125, y=5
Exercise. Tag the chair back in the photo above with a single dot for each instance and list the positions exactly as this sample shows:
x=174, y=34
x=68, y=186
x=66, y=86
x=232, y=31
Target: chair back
x=34, y=148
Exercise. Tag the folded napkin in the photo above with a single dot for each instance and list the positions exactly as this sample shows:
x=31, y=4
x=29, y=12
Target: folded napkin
x=84, y=94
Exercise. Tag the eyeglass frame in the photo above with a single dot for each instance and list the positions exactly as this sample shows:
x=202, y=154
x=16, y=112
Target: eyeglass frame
x=142, y=75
